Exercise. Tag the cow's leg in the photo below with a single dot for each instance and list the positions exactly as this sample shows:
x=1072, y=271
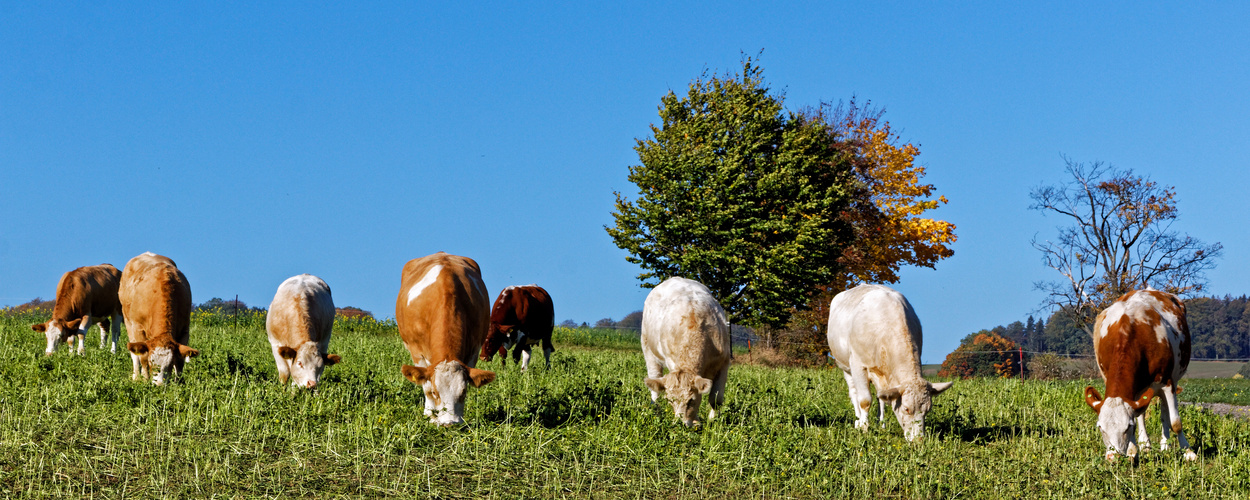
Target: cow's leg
x=654, y=368
x=82, y=333
x=1165, y=418
x=547, y=350
x=881, y=412
x=1143, y=441
x=859, y=377
x=104, y=330
x=1169, y=396
x=284, y=367
x=525, y=357
x=717, y=396
x=116, y=331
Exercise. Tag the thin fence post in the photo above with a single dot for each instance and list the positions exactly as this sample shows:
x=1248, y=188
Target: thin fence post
x=1021, y=363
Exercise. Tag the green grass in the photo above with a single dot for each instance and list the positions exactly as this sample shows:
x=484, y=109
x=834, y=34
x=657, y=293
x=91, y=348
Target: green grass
x=77, y=426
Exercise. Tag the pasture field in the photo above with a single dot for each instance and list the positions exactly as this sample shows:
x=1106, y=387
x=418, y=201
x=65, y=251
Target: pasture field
x=77, y=426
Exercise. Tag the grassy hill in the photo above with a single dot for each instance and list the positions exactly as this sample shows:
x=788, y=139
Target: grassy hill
x=77, y=426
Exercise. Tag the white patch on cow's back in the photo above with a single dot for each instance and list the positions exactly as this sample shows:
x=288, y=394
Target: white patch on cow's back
x=1110, y=317
x=426, y=281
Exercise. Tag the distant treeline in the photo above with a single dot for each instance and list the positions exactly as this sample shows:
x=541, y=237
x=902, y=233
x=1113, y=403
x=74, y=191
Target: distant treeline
x=1220, y=328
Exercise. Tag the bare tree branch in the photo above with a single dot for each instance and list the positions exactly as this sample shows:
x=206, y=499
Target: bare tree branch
x=1121, y=239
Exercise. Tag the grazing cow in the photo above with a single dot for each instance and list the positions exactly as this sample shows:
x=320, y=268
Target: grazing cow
x=522, y=316
x=874, y=335
x=1142, y=345
x=442, y=312
x=299, y=322
x=156, y=301
x=84, y=295
x=684, y=330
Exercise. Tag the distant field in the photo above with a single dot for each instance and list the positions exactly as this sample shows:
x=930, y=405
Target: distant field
x=77, y=426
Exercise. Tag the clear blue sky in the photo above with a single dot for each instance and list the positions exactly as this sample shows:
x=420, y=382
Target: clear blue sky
x=252, y=143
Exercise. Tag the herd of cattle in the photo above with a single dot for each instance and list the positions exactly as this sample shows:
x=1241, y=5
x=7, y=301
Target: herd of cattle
x=447, y=323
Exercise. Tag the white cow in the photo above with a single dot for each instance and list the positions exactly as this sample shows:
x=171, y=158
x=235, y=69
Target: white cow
x=684, y=330
x=874, y=336
x=299, y=324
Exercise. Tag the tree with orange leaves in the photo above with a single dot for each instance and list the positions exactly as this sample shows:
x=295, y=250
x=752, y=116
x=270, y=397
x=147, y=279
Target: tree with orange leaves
x=982, y=354
x=887, y=212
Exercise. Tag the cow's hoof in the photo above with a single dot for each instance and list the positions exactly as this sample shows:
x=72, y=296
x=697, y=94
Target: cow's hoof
x=1190, y=455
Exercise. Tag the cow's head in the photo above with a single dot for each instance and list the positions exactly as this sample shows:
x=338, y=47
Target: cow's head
x=684, y=390
x=306, y=363
x=1117, y=421
x=57, y=331
x=911, y=402
x=445, y=384
x=498, y=339
x=160, y=357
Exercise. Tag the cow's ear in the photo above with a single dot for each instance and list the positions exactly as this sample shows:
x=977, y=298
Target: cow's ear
x=333, y=359
x=481, y=377
x=187, y=352
x=702, y=385
x=935, y=389
x=655, y=384
x=73, y=324
x=137, y=348
x=286, y=352
x=890, y=394
x=39, y=327
x=1093, y=399
x=1144, y=400
x=415, y=374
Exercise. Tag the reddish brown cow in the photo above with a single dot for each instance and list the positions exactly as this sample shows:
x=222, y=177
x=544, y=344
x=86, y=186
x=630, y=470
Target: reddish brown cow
x=442, y=315
x=83, y=296
x=522, y=316
x=156, y=300
x=1142, y=345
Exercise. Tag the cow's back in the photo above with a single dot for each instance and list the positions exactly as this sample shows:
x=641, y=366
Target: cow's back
x=527, y=307
x=875, y=326
x=442, y=309
x=1144, y=332
x=155, y=298
x=685, y=327
x=302, y=310
x=89, y=290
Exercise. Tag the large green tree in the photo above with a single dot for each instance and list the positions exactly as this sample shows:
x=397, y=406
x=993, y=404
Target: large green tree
x=739, y=194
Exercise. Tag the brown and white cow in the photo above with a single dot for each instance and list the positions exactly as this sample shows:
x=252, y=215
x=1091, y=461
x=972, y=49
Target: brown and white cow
x=874, y=336
x=443, y=315
x=83, y=296
x=156, y=301
x=299, y=322
x=522, y=316
x=684, y=329
x=1142, y=345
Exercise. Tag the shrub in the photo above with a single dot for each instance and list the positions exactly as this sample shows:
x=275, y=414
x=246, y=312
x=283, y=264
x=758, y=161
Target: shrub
x=983, y=354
